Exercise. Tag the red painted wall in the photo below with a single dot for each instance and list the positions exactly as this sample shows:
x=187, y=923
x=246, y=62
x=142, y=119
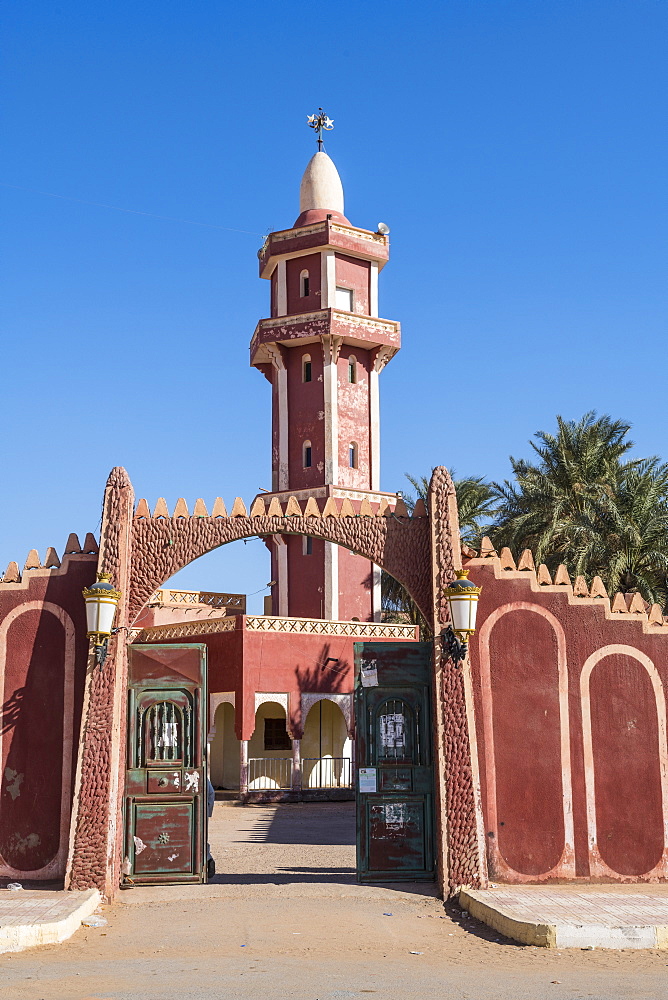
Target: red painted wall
x=528, y=764
x=306, y=576
x=568, y=703
x=305, y=404
x=293, y=269
x=355, y=582
x=354, y=416
x=42, y=694
x=625, y=736
x=250, y=662
x=351, y=272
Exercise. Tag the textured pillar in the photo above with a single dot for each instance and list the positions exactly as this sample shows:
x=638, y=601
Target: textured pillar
x=461, y=856
x=96, y=830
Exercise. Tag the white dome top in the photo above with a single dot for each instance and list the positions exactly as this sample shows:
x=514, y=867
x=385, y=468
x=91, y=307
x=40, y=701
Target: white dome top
x=321, y=186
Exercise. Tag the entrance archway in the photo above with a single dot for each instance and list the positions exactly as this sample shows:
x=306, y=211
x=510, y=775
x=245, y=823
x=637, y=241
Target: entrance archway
x=141, y=550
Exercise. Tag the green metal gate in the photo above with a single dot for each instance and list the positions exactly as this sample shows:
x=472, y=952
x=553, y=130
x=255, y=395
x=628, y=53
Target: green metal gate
x=165, y=778
x=395, y=779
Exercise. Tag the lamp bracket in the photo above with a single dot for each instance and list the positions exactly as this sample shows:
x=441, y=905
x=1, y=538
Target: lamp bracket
x=101, y=652
x=453, y=647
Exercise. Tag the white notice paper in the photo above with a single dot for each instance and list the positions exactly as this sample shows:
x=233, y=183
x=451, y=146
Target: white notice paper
x=367, y=779
x=369, y=673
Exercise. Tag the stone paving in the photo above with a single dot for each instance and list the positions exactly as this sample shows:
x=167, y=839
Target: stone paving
x=30, y=917
x=575, y=916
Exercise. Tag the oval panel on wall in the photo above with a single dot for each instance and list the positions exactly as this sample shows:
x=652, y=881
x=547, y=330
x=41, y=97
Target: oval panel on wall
x=524, y=678
x=627, y=776
x=32, y=740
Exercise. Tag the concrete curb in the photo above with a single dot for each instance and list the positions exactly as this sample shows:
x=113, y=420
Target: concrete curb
x=524, y=931
x=32, y=917
x=562, y=934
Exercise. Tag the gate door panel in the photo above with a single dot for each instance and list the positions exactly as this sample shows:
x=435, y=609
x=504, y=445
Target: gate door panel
x=395, y=782
x=165, y=778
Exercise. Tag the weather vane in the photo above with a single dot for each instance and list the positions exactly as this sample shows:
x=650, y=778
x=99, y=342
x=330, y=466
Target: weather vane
x=320, y=123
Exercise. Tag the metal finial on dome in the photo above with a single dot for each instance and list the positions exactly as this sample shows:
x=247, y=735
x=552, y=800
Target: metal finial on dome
x=320, y=123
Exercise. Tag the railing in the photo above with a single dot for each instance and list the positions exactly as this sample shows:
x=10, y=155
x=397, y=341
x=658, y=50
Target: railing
x=182, y=630
x=265, y=773
x=192, y=598
x=327, y=772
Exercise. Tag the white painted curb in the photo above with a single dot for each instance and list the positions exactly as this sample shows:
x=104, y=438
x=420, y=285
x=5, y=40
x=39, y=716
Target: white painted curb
x=557, y=934
x=17, y=937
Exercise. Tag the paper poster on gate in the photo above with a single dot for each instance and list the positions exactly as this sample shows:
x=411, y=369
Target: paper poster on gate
x=367, y=779
x=393, y=731
x=369, y=673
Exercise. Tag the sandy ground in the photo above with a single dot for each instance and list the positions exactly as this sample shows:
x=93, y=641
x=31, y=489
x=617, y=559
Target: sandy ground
x=284, y=918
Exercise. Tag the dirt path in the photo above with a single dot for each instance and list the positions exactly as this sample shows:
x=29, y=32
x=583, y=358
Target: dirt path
x=285, y=919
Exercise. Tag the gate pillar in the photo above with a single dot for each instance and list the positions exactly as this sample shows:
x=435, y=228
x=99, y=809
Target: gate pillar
x=96, y=829
x=461, y=856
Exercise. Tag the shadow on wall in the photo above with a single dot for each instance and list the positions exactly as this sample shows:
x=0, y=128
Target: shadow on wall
x=332, y=671
x=32, y=731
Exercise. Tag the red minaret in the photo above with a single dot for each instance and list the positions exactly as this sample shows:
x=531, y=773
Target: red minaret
x=322, y=350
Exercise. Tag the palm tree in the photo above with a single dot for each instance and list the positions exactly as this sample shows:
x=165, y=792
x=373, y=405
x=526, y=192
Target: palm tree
x=476, y=500
x=557, y=497
x=586, y=505
x=635, y=534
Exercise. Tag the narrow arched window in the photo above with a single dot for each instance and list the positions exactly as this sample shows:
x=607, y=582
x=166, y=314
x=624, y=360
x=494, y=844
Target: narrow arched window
x=306, y=368
x=307, y=455
x=352, y=455
x=307, y=547
x=164, y=734
x=304, y=284
x=352, y=369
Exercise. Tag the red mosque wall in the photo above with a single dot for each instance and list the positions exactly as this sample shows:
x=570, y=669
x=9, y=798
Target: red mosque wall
x=305, y=402
x=351, y=272
x=571, y=728
x=354, y=410
x=293, y=269
x=247, y=662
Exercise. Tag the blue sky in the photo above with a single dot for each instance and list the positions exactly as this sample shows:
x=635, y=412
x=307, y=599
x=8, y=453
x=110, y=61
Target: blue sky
x=516, y=148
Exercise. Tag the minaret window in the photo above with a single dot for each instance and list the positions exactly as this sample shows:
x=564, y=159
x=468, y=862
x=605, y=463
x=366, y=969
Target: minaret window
x=352, y=369
x=306, y=368
x=352, y=455
x=344, y=299
x=307, y=548
x=304, y=284
x=307, y=455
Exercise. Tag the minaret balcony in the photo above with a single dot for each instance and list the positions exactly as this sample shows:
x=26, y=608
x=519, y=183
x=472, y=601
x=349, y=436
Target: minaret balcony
x=322, y=236
x=363, y=332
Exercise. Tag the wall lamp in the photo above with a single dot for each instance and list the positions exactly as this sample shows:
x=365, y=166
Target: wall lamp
x=101, y=603
x=462, y=595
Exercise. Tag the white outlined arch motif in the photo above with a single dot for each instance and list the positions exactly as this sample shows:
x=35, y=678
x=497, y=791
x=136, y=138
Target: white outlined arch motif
x=216, y=699
x=282, y=699
x=565, y=867
x=597, y=865
x=344, y=701
x=56, y=866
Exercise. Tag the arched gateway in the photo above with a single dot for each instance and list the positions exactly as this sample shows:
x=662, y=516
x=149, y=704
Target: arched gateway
x=322, y=349
x=141, y=552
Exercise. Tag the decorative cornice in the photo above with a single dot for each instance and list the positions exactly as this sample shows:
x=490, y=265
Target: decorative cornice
x=629, y=607
x=271, y=623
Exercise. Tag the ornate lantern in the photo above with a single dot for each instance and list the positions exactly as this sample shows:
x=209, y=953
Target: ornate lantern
x=462, y=595
x=101, y=602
